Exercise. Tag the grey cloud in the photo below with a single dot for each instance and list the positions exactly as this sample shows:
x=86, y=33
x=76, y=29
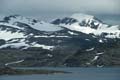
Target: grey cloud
x=36, y=7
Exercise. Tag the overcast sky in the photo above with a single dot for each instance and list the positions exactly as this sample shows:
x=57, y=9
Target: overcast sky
x=59, y=7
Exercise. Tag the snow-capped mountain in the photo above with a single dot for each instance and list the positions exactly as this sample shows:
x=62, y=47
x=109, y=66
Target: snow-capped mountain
x=20, y=32
x=77, y=40
x=89, y=25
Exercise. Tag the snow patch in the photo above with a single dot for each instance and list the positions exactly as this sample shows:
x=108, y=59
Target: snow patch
x=46, y=27
x=100, y=53
x=95, y=58
x=6, y=35
x=14, y=45
x=49, y=55
x=100, y=66
x=101, y=41
x=14, y=62
x=45, y=36
x=34, y=44
x=72, y=33
x=87, y=39
x=90, y=49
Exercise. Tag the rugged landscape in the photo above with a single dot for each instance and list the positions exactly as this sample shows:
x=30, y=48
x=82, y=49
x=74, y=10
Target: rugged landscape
x=79, y=40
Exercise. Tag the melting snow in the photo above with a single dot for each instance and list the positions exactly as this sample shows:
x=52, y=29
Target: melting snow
x=50, y=36
x=14, y=45
x=90, y=49
x=14, y=62
x=100, y=53
x=100, y=66
x=72, y=33
x=87, y=39
x=49, y=55
x=95, y=58
x=43, y=46
x=101, y=41
x=23, y=44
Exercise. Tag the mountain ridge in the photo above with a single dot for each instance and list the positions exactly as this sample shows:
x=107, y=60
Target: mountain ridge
x=87, y=37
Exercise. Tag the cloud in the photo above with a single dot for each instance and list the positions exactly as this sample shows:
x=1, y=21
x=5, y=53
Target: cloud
x=36, y=7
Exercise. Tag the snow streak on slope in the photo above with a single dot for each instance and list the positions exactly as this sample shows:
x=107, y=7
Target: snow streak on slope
x=34, y=44
x=15, y=45
x=24, y=45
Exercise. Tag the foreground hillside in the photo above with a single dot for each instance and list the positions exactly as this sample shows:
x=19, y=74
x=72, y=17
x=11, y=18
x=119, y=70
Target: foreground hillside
x=104, y=56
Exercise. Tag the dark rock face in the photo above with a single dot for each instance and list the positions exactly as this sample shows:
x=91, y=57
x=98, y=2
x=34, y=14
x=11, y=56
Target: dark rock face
x=65, y=20
x=89, y=23
x=84, y=23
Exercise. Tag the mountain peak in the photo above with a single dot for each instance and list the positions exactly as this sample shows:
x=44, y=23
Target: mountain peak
x=80, y=17
x=77, y=17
